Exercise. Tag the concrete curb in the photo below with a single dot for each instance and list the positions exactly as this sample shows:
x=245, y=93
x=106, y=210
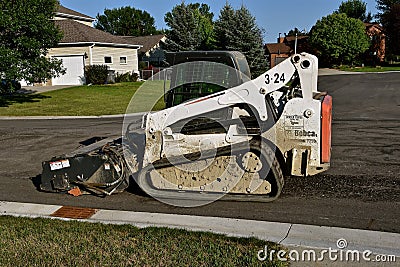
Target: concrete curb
x=70, y=117
x=328, y=72
x=290, y=235
x=59, y=117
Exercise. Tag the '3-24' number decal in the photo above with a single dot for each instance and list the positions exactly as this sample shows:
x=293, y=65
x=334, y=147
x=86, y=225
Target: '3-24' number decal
x=278, y=78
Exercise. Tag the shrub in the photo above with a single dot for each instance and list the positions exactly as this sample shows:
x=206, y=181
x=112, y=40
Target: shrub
x=9, y=86
x=126, y=77
x=96, y=74
x=143, y=65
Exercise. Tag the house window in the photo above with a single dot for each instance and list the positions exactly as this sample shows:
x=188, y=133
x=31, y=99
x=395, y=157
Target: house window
x=123, y=60
x=108, y=60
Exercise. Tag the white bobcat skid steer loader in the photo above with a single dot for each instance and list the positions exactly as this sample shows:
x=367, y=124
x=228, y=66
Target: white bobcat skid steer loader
x=238, y=142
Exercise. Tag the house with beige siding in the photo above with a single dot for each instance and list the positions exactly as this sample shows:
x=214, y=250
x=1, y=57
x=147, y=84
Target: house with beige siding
x=152, y=50
x=83, y=45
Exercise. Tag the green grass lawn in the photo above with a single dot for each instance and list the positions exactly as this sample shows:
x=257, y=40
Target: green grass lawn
x=46, y=242
x=79, y=101
x=371, y=69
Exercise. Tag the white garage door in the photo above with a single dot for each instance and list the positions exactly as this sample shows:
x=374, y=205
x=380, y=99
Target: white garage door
x=75, y=71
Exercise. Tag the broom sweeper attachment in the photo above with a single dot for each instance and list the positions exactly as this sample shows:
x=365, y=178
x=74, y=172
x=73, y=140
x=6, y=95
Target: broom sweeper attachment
x=98, y=170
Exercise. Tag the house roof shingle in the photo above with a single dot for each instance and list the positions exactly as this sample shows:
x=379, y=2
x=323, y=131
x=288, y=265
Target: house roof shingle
x=376, y=25
x=293, y=38
x=62, y=10
x=75, y=32
x=148, y=42
x=279, y=48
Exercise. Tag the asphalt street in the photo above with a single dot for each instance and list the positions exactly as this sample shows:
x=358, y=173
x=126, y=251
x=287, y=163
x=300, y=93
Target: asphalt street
x=361, y=190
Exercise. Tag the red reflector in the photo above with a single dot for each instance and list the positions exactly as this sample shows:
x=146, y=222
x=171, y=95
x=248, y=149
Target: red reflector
x=326, y=127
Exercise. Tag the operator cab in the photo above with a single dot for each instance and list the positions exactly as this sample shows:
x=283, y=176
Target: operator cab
x=205, y=73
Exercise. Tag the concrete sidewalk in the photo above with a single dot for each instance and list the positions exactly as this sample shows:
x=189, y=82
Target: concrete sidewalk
x=294, y=236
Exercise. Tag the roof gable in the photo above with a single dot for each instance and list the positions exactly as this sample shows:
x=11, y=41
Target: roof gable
x=72, y=14
x=293, y=38
x=369, y=26
x=279, y=48
x=75, y=33
x=147, y=42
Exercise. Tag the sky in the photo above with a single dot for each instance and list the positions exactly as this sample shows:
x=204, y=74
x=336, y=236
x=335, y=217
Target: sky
x=274, y=16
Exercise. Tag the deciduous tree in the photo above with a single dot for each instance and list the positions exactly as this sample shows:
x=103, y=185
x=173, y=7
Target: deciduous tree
x=339, y=39
x=356, y=9
x=127, y=21
x=295, y=31
x=26, y=34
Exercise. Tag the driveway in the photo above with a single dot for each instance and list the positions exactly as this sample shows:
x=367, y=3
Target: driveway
x=41, y=89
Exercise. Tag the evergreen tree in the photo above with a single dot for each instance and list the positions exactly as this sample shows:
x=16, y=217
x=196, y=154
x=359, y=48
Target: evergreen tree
x=238, y=30
x=389, y=17
x=391, y=23
x=384, y=5
x=191, y=27
x=223, y=27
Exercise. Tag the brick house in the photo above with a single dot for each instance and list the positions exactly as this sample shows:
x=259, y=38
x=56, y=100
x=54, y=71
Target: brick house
x=276, y=53
x=285, y=47
x=376, y=53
